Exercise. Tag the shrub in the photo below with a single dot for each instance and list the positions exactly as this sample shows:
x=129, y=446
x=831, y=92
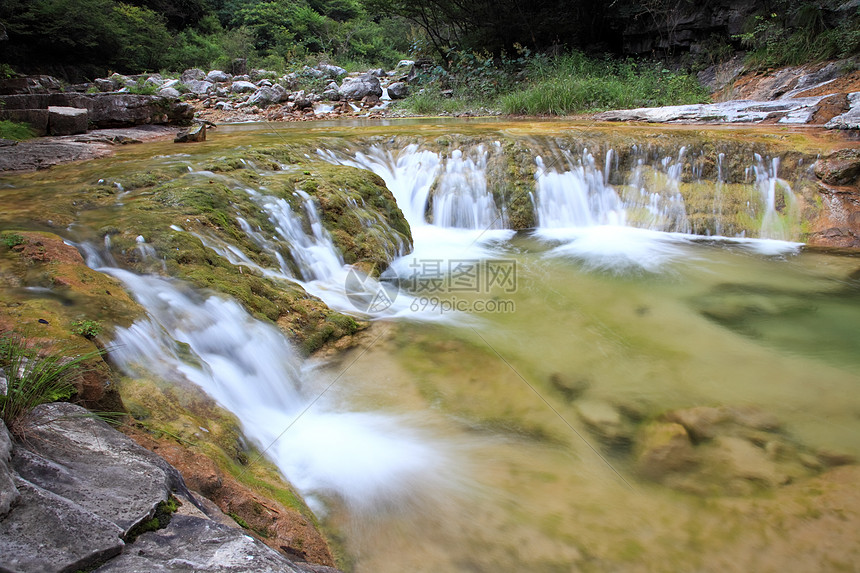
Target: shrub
x=87, y=328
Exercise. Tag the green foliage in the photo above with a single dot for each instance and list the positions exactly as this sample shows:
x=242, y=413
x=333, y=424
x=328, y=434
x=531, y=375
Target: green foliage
x=142, y=88
x=34, y=377
x=87, y=328
x=163, y=514
x=797, y=33
x=12, y=239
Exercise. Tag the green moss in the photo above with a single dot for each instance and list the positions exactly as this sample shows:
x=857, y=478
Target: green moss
x=163, y=513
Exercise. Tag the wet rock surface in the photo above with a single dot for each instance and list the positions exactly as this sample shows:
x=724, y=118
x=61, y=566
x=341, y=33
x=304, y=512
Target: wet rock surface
x=81, y=488
x=794, y=111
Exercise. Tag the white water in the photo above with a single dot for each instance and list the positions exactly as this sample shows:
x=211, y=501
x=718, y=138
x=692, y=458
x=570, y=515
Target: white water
x=368, y=460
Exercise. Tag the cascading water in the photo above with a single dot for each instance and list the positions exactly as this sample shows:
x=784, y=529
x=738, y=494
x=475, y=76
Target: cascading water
x=777, y=198
x=368, y=460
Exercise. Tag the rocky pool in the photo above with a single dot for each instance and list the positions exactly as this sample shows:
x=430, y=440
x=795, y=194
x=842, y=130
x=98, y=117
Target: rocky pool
x=535, y=346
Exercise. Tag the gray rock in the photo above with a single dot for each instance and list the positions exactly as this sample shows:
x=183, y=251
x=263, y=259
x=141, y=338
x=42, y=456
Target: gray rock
x=736, y=111
x=73, y=455
x=170, y=84
x=169, y=93
x=242, y=78
x=267, y=96
x=217, y=76
x=154, y=80
x=192, y=74
x=378, y=72
x=198, y=545
x=8, y=492
x=301, y=101
x=332, y=71
x=264, y=84
x=851, y=118
x=398, y=90
x=194, y=134
x=67, y=120
x=242, y=86
x=200, y=87
x=290, y=81
x=46, y=533
x=120, y=81
x=361, y=87
x=223, y=105
x=105, y=85
x=123, y=110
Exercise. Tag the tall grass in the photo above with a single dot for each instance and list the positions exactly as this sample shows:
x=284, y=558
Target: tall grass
x=34, y=378
x=576, y=84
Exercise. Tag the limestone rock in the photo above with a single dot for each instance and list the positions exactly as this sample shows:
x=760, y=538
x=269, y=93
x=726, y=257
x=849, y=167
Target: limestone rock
x=73, y=455
x=46, y=533
x=199, y=545
x=398, y=90
x=798, y=110
x=839, y=168
x=217, y=76
x=242, y=86
x=360, y=87
x=267, y=96
x=192, y=74
x=8, y=492
x=67, y=120
x=200, y=87
x=851, y=118
x=169, y=93
x=194, y=134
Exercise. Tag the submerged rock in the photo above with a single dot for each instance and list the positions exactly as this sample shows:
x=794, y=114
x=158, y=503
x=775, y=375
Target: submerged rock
x=605, y=422
x=196, y=133
x=664, y=448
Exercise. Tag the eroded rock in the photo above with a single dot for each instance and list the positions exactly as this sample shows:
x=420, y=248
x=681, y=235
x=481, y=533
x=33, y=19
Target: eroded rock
x=841, y=167
x=360, y=87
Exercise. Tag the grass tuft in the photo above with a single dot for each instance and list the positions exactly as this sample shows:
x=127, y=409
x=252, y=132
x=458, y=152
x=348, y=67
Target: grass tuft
x=15, y=131
x=34, y=378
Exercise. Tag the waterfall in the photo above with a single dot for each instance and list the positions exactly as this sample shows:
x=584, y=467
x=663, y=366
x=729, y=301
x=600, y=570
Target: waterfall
x=368, y=460
x=777, y=199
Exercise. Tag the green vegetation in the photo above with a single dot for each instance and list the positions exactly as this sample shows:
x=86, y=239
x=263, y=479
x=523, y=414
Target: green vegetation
x=798, y=32
x=34, y=377
x=16, y=131
x=574, y=83
x=163, y=514
x=536, y=84
x=83, y=39
x=12, y=239
x=87, y=328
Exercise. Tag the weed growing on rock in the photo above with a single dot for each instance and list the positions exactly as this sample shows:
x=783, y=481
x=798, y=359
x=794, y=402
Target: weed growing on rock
x=33, y=377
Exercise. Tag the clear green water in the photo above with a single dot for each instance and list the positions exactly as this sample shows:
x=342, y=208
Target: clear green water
x=528, y=487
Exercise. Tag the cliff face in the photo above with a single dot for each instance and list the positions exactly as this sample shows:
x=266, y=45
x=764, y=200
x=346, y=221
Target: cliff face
x=685, y=28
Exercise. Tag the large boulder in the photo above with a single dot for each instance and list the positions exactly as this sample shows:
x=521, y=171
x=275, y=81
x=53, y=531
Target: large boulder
x=192, y=74
x=398, y=90
x=268, y=95
x=361, y=87
x=217, y=76
x=123, y=110
x=242, y=86
x=67, y=120
x=200, y=87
